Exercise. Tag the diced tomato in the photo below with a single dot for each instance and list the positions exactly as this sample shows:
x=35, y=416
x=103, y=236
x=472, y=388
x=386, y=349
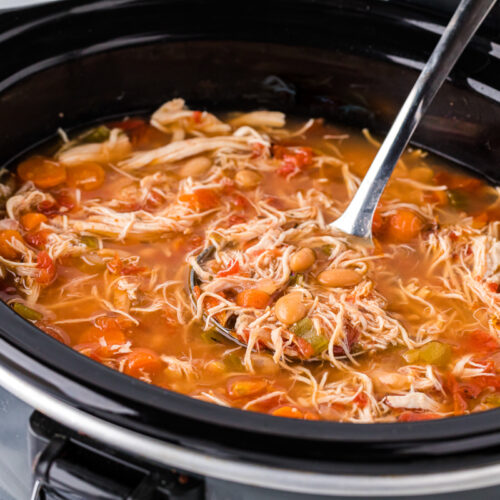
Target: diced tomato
x=154, y=200
x=63, y=204
x=413, y=416
x=494, y=287
x=479, y=341
x=46, y=269
x=236, y=219
x=200, y=200
x=233, y=268
x=117, y=266
x=194, y=241
x=239, y=202
x=228, y=185
x=141, y=134
x=54, y=331
x=361, y=399
x=293, y=159
x=197, y=116
x=457, y=181
x=66, y=203
x=351, y=336
x=460, y=405
x=129, y=269
x=48, y=208
x=128, y=125
x=258, y=149
x=306, y=350
x=38, y=239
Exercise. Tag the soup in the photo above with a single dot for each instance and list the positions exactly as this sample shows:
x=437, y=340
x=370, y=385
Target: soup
x=98, y=237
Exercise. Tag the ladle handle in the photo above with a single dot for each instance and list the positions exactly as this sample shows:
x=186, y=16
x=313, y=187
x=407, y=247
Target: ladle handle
x=357, y=218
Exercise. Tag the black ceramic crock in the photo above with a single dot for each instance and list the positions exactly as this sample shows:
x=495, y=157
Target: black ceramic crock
x=72, y=63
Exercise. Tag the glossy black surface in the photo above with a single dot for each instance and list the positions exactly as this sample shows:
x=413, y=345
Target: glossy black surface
x=72, y=63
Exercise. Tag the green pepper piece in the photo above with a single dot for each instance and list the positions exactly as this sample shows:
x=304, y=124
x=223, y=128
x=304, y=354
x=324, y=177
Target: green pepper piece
x=233, y=363
x=90, y=242
x=92, y=263
x=305, y=329
x=327, y=250
x=492, y=399
x=26, y=312
x=411, y=356
x=212, y=335
x=319, y=342
x=457, y=199
x=296, y=279
x=98, y=134
x=435, y=353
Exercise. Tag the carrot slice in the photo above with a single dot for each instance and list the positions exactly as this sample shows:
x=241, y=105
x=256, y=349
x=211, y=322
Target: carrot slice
x=32, y=220
x=200, y=200
x=8, y=238
x=403, y=226
x=141, y=362
x=288, y=412
x=87, y=176
x=413, y=416
x=44, y=173
x=107, y=339
x=245, y=387
x=254, y=298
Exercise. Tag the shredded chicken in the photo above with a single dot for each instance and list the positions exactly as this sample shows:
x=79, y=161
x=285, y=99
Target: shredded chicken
x=257, y=189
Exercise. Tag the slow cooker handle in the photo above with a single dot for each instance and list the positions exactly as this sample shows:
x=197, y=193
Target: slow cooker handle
x=69, y=465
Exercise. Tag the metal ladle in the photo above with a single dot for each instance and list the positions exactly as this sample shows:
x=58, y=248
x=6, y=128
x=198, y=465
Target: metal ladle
x=356, y=221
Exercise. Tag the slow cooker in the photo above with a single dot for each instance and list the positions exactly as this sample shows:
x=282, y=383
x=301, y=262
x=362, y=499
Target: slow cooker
x=96, y=433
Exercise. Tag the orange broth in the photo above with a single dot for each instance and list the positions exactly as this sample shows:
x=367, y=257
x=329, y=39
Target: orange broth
x=148, y=332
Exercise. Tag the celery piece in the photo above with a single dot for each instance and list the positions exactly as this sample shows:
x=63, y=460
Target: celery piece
x=98, y=134
x=435, y=353
x=302, y=327
x=26, y=312
x=90, y=241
